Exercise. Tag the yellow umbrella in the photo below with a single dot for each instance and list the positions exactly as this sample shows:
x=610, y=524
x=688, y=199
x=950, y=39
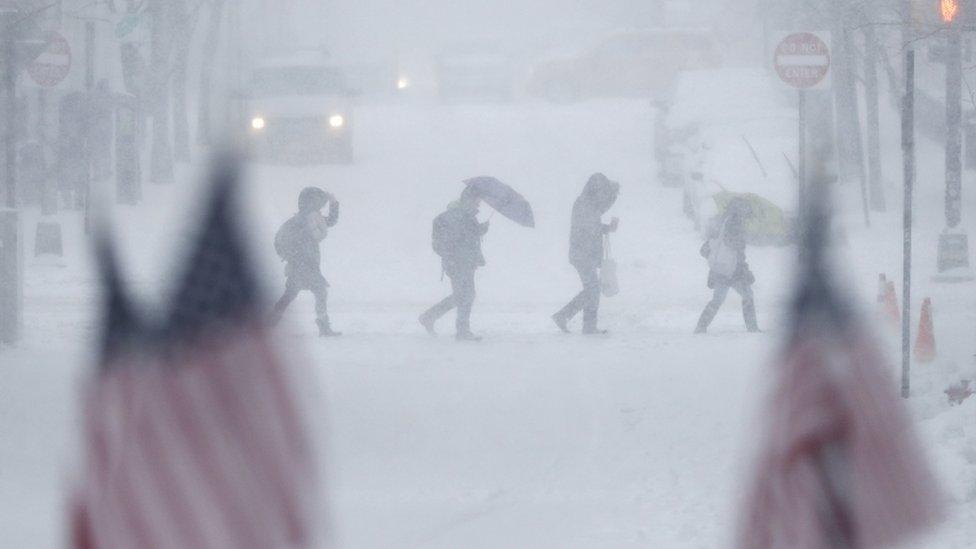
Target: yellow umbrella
x=766, y=222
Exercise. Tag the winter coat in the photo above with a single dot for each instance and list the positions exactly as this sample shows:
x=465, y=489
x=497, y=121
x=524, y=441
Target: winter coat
x=304, y=262
x=586, y=228
x=735, y=238
x=461, y=235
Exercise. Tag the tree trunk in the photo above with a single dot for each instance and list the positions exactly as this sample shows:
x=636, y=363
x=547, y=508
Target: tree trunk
x=875, y=176
x=161, y=38
x=210, y=46
x=850, y=149
x=181, y=123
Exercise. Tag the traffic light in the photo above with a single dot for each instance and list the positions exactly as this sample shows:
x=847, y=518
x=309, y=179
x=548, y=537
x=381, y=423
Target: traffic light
x=949, y=9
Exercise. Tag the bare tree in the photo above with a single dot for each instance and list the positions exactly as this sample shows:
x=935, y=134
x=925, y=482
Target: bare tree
x=210, y=45
x=872, y=100
x=185, y=27
x=161, y=41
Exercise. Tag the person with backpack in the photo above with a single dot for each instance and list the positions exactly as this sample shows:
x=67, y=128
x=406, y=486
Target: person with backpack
x=297, y=243
x=586, y=250
x=725, y=251
x=456, y=238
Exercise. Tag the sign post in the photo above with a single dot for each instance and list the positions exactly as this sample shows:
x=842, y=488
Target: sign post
x=802, y=61
x=908, y=154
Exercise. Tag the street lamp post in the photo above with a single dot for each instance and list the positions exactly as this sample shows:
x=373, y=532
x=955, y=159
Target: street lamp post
x=953, y=253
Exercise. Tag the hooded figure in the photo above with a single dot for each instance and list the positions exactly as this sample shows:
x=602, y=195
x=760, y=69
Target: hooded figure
x=456, y=238
x=586, y=235
x=297, y=243
x=725, y=250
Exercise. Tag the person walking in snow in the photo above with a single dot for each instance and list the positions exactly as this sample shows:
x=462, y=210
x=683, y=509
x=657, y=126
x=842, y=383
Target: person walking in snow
x=725, y=251
x=456, y=238
x=586, y=236
x=297, y=243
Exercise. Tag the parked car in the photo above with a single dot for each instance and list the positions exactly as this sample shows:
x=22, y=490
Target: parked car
x=640, y=63
x=732, y=132
x=300, y=111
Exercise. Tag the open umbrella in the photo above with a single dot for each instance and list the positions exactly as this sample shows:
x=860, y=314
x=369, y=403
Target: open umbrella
x=504, y=199
x=766, y=223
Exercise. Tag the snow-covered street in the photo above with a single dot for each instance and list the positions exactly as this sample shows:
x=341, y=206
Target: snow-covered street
x=530, y=438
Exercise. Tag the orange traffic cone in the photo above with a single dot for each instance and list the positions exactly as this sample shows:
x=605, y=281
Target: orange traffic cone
x=891, y=304
x=925, y=343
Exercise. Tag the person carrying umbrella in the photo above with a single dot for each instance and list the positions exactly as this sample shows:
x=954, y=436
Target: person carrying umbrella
x=456, y=238
x=725, y=251
x=586, y=235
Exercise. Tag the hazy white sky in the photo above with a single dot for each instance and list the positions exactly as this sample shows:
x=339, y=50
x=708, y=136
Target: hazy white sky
x=361, y=27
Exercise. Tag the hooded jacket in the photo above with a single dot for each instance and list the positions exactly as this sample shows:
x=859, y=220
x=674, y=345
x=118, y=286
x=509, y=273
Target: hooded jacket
x=586, y=228
x=311, y=227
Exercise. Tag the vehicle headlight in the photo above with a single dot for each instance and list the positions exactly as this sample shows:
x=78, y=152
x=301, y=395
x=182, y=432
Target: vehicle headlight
x=403, y=83
x=337, y=121
x=258, y=123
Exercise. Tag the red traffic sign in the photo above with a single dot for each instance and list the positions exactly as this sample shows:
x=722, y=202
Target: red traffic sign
x=52, y=66
x=802, y=60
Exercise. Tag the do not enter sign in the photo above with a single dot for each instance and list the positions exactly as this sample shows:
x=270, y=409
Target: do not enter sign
x=53, y=64
x=802, y=60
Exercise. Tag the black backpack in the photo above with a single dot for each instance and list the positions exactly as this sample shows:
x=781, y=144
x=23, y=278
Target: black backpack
x=288, y=239
x=442, y=235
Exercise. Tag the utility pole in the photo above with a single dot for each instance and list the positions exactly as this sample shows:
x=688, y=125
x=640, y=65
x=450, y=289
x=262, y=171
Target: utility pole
x=953, y=251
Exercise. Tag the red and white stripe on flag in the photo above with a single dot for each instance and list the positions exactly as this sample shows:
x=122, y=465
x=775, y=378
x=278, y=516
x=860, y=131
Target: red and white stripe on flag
x=207, y=451
x=841, y=466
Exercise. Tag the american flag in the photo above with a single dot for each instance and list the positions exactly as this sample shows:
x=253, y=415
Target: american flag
x=193, y=434
x=840, y=466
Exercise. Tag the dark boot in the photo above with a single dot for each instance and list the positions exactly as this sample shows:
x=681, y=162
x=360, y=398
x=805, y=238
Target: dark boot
x=589, y=324
x=749, y=315
x=428, y=323
x=561, y=321
x=706, y=317
x=430, y=316
x=467, y=336
x=325, y=329
x=703, y=322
